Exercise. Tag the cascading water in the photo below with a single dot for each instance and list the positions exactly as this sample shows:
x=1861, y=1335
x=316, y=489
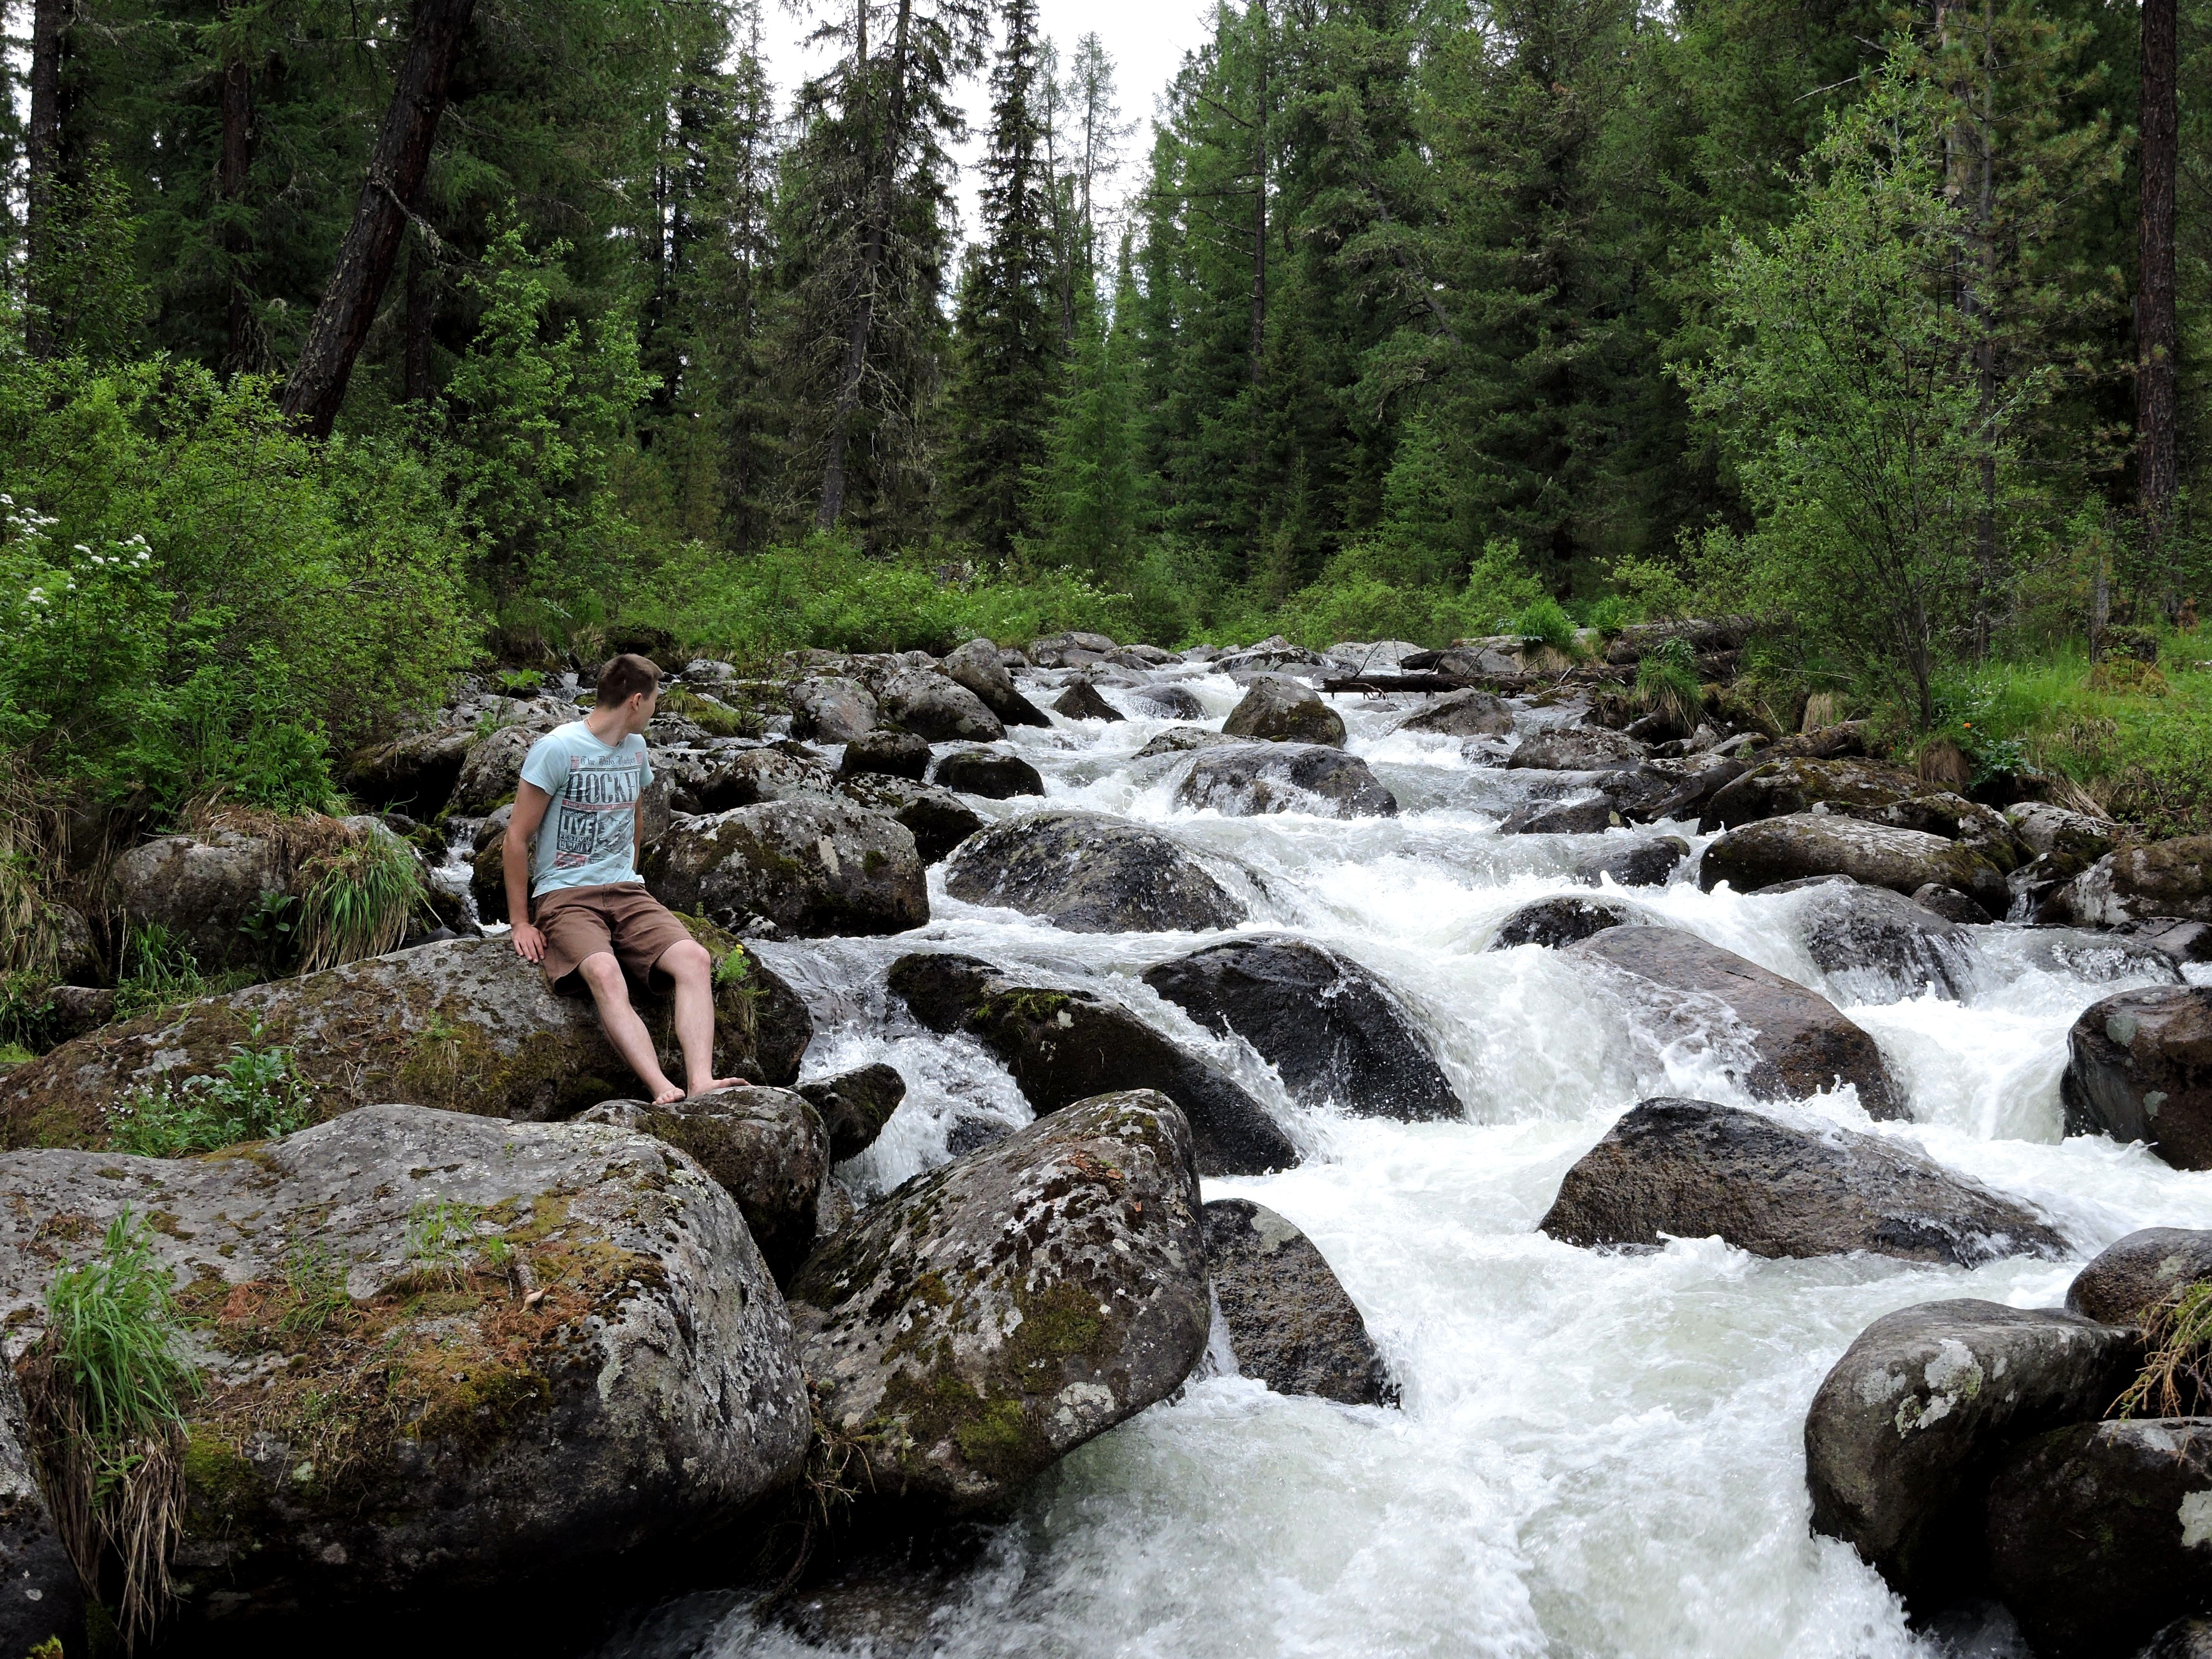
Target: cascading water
x=1597, y=1453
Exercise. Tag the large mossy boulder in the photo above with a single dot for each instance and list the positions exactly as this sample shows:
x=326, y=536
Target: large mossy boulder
x=465, y=1024
x=988, y=1318
x=2139, y=1067
x=1332, y=1030
x=204, y=889
x=937, y=708
x=1277, y=708
x=1907, y=1428
x=832, y=709
x=1781, y=788
x=1790, y=848
x=937, y=819
x=444, y=1356
x=493, y=770
x=1690, y=1168
x=1248, y=779
x=1066, y=1046
x=2160, y=878
x=1290, y=1323
x=1799, y=1043
x=808, y=867
x=1091, y=874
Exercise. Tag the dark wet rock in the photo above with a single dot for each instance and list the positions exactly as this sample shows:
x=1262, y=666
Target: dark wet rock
x=1066, y=1046
x=2097, y=1533
x=1903, y=1436
x=1780, y=788
x=1170, y=703
x=417, y=769
x=978, y=666
x=890, y=752
x=1689, y=1168
x=2095, y=954
x=808, y=867
x=1577, y=749
x=1799, y=1042
x=2148, y=1266
x=1642, y=794
x=988, y=773
x=1877, y=947
x=2184, y=1638
x=2161, y=879
x=972, y=1134
x=1776, y=850
x=768, y=1147
x=1071, y=649
x=1951, y=904
x=493, y=770
x=465, y=1025
x=1699, y=781
x=1469, y=713
x=1592, y=815
x=1141, y=656
x=2182, y=941
x=1555, y=921
x=72, y=1011
x=1254, y=778
x=1646, y=861
x=41, y=1599
x=2139, y=1067
x=940, y=709
x=1980, y=830
x=718, y=780
x=202, y=889
x=855, y=1105
x=832, y=709
x=1090, y=875
x=1082, y=701
x=1291, y=1324
x=1277, y=708
x=990, y=1316
x=1182, y=740
x=937, y=819
x=1332, y=1028
x=456, y=1433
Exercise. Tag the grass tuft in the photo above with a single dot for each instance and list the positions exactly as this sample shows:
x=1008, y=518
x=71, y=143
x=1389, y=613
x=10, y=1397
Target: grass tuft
x=1547, y=621
x=1667, y=682
x=361, y=896
x=2175, y=1380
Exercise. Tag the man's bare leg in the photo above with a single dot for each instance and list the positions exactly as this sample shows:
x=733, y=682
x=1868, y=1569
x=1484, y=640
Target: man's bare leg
x=693, y=971
x=624, y=1028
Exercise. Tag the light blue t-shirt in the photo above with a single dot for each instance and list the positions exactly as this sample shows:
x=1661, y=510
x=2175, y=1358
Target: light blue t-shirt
x=589, y=838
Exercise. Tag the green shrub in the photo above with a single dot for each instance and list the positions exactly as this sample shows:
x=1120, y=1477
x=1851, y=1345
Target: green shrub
x=1666, y=681
x=1546, y=622
x=256, y=1095
x=1608, y=616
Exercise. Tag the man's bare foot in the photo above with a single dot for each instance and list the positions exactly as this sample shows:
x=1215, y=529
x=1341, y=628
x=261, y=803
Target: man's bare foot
x=715, y=1085
x=666, y=1095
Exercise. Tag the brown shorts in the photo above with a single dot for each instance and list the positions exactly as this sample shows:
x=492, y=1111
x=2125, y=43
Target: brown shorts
x=622, y=918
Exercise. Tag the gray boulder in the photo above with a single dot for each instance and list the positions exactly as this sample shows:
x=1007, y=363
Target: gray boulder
x=2162, y=878
x=1071, y=649
x=1251, y=779
x=940, y=709
x=1277, y=708
x=1182, y=740
x=1689, y=1168
x=2146, y=1268
x=41, y=1598
x=1555, y=921
x=1469, y=713
x=1951, y=904
x=1796, y=784
x=1878, y=946
x=855, y=1105
x=1904, y=1434
x=768, y=1147
x=1273, y=652
x=463, y=1023
x=2045, y=829
x=1170, y=703
x=937, y=819
x=1090, y=875
x=989, y=773
x=416, y=770
x=990, y=1316
x=808, y=867
x=1067, y=1046
x=202, y=889
x=2139, y=1067
x=714, y=780
x=1083, y=701
x=1332, y=1030
x=583, y=1360
x=832, y=709
x=1788, y=848
x=1290, y=1325
x=978, y=666
x=2097, y=1533
x=888, y=752
x=1577, y=749
x=493, y=770
x=1645, y=861
x=1799, y=1042
x=1591, y=816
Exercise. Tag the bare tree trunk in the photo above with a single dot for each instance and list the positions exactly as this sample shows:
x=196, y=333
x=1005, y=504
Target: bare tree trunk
x=2158, y=333
x=237, y=162
x=396, y=169
x=50, y=21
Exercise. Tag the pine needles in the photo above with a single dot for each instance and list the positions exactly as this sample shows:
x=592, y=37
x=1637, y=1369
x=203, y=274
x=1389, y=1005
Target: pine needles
x=105, y=1388
x=2175, y=1380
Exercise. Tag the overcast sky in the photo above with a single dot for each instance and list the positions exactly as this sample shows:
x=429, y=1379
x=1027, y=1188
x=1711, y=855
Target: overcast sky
x=1146, y=39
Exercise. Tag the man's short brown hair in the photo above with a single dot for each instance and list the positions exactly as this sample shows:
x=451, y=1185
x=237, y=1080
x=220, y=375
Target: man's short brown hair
x=624, y=677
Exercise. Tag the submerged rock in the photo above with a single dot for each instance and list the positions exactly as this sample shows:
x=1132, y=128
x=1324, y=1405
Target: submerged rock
x=2184, y=1638
x=1170, y=702
x=1083, y=701
x=1251, y=779
x=1647, y=861
x=1330, y=1028
x=2097, y=1533
x=809, y=868
x=1783, y=788
x=1066, y=1046
x=2149, y=1266
x=990, y=1316
x=2139, y=1067
x=465, y=1024
x=1799, y=1042
x=1182, y=740
x=1291, y=1324
x=438, y=1428
x=855, y=1105
x=1878, y=947
x=1689, y=1168
x=1776, y=850
x=1469, y=713
x=1091, y=874
x=1590, y=816
x=988, y=773
x=1562, y=920
x=1277, y=708
x=1904, y=1434
x=937, y=819
x=1578, y=749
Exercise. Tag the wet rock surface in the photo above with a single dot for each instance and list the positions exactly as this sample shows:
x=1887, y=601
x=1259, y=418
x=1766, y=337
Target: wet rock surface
x=806, y=867
x=977, y=666
x=1090, y=875
x=2162, y=878
x=937, y=708
x=1082, y=701
x=988, y=773
x=1793, y=1043
x=41, y=1598
x=1333, y=1029
x=832, y=709
x=1556, y=921
x=1906, y=1432
x=1247, y=778
x=1577, y=749
x=1690, y=1168
x=937, y=819
x=1291, y=1324
x=1790, y=848
x=991, y=1315
x=1469, y=713
x=1277, y=708
x=855, y=1105
x=1647, y=861
x=1876, y=946
x=2149, y=1266
x=1781, y=789
x=2139, y=1067
x=1182, y=740
x=888, y=751
x=1168, y=702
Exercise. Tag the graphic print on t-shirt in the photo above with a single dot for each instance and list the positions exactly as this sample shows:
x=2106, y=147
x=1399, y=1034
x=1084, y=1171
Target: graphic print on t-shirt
x=598, y=811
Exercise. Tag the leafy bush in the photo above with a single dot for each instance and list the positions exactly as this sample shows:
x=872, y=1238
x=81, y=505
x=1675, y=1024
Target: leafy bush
x=255, y=1097
x=1546, y=622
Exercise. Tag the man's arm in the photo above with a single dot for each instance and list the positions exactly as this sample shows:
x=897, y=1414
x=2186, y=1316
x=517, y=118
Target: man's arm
x=530, y=804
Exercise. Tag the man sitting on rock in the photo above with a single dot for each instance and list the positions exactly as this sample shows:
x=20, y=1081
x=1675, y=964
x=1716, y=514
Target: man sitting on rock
x=586, y=912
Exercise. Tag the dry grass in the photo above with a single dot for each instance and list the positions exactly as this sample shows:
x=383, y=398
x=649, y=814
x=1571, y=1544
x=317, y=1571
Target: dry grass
x=2175, y=1380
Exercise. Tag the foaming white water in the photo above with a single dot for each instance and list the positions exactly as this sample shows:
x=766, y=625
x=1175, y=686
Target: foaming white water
x=1596, y=1454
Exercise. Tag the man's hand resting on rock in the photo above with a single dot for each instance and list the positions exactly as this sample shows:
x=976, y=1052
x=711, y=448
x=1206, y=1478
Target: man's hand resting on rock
x=529, y=943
